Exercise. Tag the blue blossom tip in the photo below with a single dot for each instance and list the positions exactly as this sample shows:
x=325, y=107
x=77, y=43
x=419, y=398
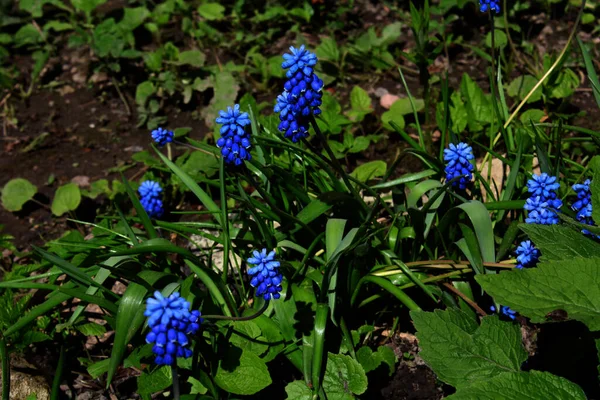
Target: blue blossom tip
x=162, y=136
x=458, y=165
x=264, y=274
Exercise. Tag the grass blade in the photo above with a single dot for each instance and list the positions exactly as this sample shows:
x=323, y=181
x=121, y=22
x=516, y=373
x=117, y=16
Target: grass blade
x=141, y=212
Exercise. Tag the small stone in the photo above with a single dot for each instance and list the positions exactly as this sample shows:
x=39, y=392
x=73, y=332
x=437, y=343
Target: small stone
x=380, y=92
x=387, y=100
x=23, y=385
x=81, y=180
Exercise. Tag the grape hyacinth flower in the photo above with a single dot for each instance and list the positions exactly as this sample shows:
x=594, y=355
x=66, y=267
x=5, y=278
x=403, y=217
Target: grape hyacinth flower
x=234, y=141
x=527, y=255
x=506, y=311
x=544, y=203
x=150, y=198
x=265, y=275
x=583, y=205
x=458, y=164
x=171, y=323
x=492, y=5
x=162, y=136
x=302, y=94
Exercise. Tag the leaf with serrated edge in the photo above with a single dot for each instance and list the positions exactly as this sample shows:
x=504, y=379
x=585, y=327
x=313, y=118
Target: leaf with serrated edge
x=557, y=242
x=521, y=386
x=298, y=390
x=344, y=377
x=242, y=372
x=460, y=352
x=558, y=285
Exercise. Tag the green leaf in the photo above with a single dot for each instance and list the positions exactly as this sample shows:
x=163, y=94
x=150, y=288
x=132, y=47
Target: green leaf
x=17, y=192
x=482, y=223
x=500, y=39
x=595, y=189
x=344, y=377
x=557, y=285
x=225, y=92
x=478, y=106
x=565, y=84
x=242, y=372
x=92, y=329
x=327, y=50
x=143, y=91
x=298, y=390
x=157, y=381
x=35, y=7
x=370, y=360
x=195, y=58
x=361, y=104
x=27, y=35
x=87, y=6
x=521, y=386
x=99, y=368
x=133, y=17
x=557, y=242
x=197, y=386
x=248, y=336
x=521, y=86
x=370, y=170
x=67, y=198
x=211, y=11
x=460, y=352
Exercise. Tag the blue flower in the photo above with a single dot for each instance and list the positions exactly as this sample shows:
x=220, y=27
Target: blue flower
x=300, y=60
x=458, y=164
x=150, y=198
x=302, y=96
x=506, y=311
x=233, y=121
x=162, y=136
x=583, y=205
x=234, y=141
x=485, y=5
x=171, y=323
x=527, y=255
x=543, y=185
x=540, y=212
x=264, y=274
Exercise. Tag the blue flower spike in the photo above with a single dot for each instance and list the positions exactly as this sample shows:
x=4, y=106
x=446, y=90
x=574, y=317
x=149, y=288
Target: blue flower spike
x=527, y=255
x=162, y=136
x=171, y=323
x=458, y=158
x=264, y=274
x=543, y=205
x=234, y=141
x=583, y=205
x=302, y=96
x=150, y=193
x=491, y=5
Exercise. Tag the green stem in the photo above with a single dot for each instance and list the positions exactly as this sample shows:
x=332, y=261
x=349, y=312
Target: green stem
x=58, y=374
x=224, y=219
x=248, y=318
x=175, y=377
x=5, y=370
x=319, y=341
x=169, y=152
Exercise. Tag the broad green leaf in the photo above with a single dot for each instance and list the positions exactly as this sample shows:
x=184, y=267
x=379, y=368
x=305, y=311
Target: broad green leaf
x=195, y=58
x=143, y=91
x=557, y=285
x=225, y=92
x=27, y=35
x=478, y=105
x=211, y=11
x=460, y=352
x=199, y=165
x=298, y=390
x=197, y=386
x=17, y=192
x=67, y=198
x=557, y=242
x=482, y=224
x=500, y=40
x=271, y=335
x=371, y=360
x=99, y=368
x=565, y=84
x=344, y=378
x=327, y=50
x=133, y=17
x=370, y=170
x=248, y=336
x=158, y=380
x=97, y=188
x=521, y=386
x=91, y=329
x=87, y=6
x=532, y=115
x=361, y=104
x=35, y=7
x=242, y=372
x=521, y=86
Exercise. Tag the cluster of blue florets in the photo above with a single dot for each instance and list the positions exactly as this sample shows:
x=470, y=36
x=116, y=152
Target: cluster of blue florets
x=544, y=202
x=264, y=274
x=302, y=94
x=162, y=136
x=492, y=5
x=171, y=324
x=234, y=141
x=583, y=205
x=458, y=164
x=527, y=255
x=150, y=198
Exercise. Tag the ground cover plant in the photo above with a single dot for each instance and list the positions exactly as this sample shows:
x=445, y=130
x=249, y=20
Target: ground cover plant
x=300, y=199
